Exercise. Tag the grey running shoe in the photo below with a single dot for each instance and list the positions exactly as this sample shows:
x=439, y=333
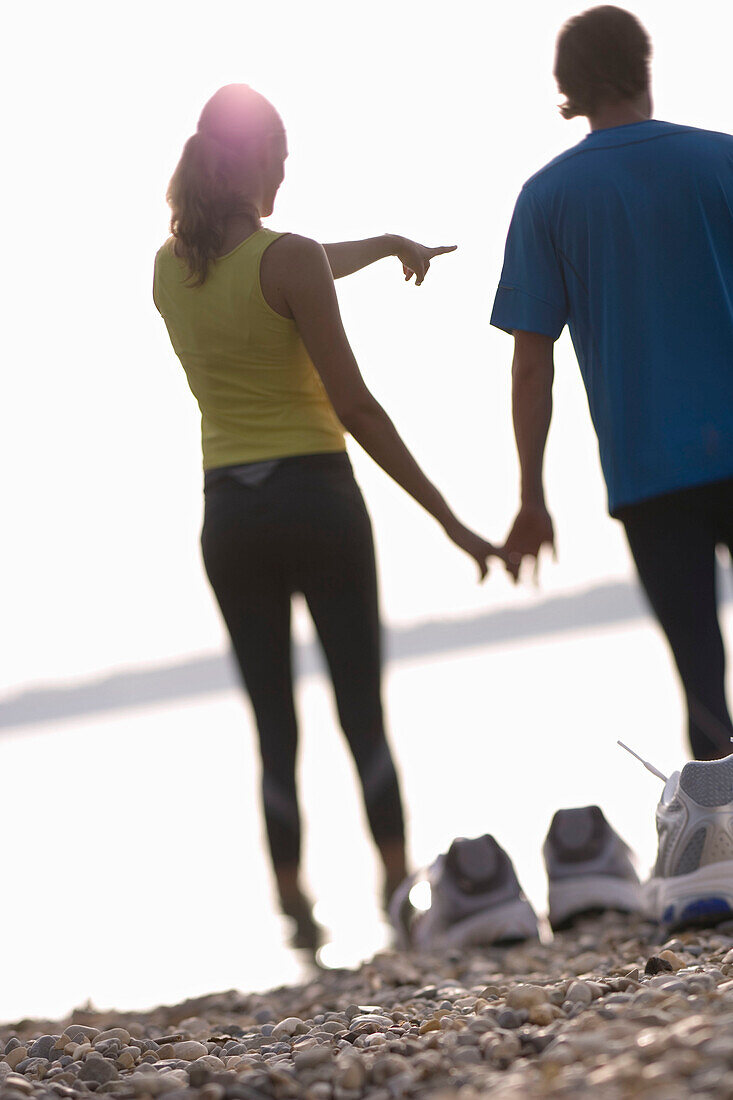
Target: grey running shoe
x=692, y=881
x=589, y=867
x=469, y=896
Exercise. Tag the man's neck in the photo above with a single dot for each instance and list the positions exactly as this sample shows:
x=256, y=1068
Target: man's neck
x=625, y=113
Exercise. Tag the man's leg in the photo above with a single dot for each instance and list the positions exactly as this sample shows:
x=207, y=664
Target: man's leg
x=673, y=540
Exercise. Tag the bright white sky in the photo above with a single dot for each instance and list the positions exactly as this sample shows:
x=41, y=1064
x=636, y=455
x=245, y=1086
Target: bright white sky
x=408, y=116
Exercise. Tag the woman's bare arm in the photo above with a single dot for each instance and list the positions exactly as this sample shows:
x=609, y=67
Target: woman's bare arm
x=346, y=257
x=307, y=285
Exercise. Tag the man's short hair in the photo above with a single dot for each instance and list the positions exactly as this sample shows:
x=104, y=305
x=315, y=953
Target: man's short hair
x=602, y=56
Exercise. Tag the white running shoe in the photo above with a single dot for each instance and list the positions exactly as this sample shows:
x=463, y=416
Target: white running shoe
x=692, y=881
x=589, y=868
x=469, y=896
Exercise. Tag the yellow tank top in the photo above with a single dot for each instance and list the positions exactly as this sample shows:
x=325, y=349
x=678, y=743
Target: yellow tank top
x=260, y=395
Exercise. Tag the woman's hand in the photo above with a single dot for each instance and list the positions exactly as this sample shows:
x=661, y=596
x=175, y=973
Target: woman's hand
x=478, y=548
x=415, y=258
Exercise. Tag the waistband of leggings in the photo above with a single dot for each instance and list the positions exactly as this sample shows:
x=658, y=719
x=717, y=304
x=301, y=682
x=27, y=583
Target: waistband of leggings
x=326, y=460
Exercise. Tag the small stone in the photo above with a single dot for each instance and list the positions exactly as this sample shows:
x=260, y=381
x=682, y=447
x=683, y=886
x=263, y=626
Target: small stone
x=113, y=1033
x=196, y=1027
x=189, y=1050
x=524, y=996
x=313, y=1056
x=657, y=965
x=36, y=1067
x=16, y=1056
x=579, y=993
x=291, y=1025
x=585, y=963
x=210, y=1061
x=432, y=1024
x=351, y=1073
x=373, y=1020
x=319, y=1090
x=510, y=1018
x=501, y=1050
x=674, y=960
x=542, y=1014
x=98, y=1069
x=81, y=1032
x=126, y=1059
x=15, y=1081
x=42, y=1047
x=81, y=1051
x=212, y=1091
x=467, y=1056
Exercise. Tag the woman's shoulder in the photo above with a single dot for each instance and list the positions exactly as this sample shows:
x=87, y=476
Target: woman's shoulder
x=166, y=253
x=293, y=242
x=294, y=253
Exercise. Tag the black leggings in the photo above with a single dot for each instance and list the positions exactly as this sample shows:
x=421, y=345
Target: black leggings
x=673, y=540
x=306, y=529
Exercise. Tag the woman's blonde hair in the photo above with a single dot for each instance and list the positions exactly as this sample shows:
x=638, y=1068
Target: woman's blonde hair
x=233, y=128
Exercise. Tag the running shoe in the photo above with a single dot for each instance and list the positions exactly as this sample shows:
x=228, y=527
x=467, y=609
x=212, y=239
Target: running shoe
x=469, y=896
x=589, y=868
x=692, y=881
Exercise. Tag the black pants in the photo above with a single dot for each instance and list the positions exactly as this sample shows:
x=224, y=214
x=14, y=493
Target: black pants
x=304, y=529
x=673, y=539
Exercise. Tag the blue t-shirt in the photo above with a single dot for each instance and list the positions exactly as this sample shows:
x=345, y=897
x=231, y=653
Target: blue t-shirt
x=628, y=239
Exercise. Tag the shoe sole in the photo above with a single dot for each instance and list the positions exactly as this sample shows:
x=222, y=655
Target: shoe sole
x=572, y=897
x=702, y=898
x=502, y=924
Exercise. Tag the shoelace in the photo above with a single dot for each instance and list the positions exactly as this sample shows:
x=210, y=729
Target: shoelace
x=649, y=767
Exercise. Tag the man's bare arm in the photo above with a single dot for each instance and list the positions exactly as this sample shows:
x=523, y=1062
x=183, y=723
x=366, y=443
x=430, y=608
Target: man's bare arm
x=533, y=372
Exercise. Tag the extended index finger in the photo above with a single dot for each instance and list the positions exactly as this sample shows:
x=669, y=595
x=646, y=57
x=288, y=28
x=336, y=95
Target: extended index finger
x=442, y=249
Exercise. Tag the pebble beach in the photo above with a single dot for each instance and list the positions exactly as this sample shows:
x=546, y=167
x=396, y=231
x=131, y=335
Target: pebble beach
x=606, y=1008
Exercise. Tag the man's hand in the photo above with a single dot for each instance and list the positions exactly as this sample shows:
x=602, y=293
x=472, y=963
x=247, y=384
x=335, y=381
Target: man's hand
x=415, y=258
x=532, y=529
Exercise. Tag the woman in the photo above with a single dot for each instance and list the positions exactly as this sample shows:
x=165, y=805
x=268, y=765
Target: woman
x=253, y=316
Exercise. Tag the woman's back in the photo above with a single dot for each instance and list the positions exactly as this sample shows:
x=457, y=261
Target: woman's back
x=259, y=393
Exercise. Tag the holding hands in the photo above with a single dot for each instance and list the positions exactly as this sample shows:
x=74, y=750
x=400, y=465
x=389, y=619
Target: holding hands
x=532, y=529
x=474, y=545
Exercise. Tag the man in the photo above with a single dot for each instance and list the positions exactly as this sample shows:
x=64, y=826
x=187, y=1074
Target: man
x=628, y=239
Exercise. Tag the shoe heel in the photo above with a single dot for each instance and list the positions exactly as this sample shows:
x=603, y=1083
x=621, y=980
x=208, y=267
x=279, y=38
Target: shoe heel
x=571, y=898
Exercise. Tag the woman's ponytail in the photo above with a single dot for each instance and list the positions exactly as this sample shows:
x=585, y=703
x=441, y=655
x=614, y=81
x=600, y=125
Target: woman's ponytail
x=204, y=189
x=200, y=197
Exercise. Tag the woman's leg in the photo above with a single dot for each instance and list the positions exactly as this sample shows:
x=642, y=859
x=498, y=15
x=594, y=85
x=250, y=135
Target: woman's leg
x=673, y=540
x=255, y=600
x=339, y=582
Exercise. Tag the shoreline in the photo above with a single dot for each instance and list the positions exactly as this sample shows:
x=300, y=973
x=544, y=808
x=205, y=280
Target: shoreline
x=607, y=1006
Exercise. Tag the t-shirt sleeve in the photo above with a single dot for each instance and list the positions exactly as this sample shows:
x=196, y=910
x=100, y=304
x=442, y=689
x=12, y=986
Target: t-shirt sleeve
x=531, y=295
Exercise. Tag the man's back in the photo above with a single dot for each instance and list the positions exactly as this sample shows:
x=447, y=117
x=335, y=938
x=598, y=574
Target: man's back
x=628, y=237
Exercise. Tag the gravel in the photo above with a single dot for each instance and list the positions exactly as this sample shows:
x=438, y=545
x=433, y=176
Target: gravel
x=606, y=1009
